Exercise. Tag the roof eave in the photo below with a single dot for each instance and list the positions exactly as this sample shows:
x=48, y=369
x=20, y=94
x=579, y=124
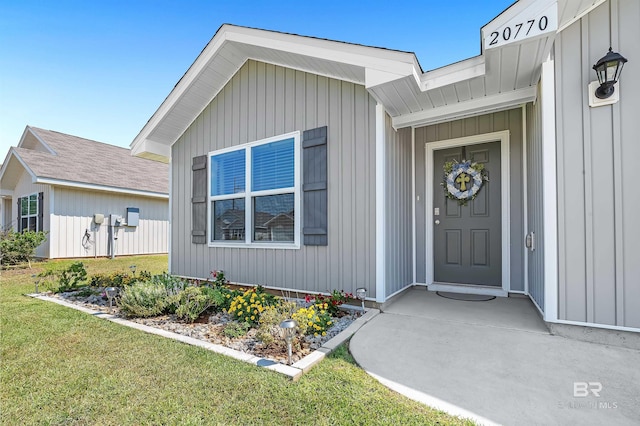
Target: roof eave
x=105, y=188
x=379, y=65
x=501, y=101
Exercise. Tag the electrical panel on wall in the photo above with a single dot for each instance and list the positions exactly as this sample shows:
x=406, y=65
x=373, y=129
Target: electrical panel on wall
x=133, y=216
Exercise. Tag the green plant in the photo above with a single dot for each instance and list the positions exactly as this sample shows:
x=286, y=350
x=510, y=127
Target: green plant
x=115, y=279
x=19, y=247
x=269, y=324
x=236, y=329
x=330, y=303
x=172, y=287
x=218, y=279
x=143, y=299
x=249, y=305
x=72, y=277
x=193, y=301
x=313, y=321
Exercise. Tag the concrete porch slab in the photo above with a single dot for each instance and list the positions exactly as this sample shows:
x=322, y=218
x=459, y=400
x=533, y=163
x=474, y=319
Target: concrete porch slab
x=496, y=363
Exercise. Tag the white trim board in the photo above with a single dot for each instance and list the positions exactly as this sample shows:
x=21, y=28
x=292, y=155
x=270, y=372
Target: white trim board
x=381, y=200
x=503, y=138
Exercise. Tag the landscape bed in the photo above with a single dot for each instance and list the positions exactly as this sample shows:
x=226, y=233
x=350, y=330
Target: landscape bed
x=242, y=323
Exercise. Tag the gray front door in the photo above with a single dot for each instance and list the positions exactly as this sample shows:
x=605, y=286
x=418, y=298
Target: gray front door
x=467, y=238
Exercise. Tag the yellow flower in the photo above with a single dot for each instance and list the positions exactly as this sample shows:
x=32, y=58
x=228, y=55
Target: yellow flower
x=246, y=318
x=324, y=333
x=315, y=334
x=252, y=318
x=310, y=323
x=255, y=311
x=309, y=315
x=329, y=323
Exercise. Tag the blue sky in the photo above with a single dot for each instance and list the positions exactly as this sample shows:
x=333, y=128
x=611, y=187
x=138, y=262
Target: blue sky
x=100, y=69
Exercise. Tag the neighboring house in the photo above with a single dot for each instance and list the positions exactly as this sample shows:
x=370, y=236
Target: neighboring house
x=344, y=146
x=69, y=186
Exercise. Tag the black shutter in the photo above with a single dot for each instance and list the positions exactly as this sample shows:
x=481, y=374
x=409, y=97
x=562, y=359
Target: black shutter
x=199, y=200
x=19, y=224
x=40, y=224
x=314, y=186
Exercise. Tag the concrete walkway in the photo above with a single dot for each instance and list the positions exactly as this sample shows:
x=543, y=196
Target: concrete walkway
x=496, y=363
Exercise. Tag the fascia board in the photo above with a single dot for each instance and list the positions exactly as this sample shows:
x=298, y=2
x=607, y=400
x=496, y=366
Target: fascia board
x=180, y=88
x=325, y=49
x=156, y=149
x=400, y=63
x=13, y=154
x=472, y=107
x=37, y=136
x=454, y=73
x=564, y=25
x=104, y=188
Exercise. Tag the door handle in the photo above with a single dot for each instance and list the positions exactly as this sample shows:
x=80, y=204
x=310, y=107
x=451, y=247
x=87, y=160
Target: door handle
x=437, y=222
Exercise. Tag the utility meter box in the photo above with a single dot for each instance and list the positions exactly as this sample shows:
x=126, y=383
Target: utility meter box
x=133, y=216
x=98, y=219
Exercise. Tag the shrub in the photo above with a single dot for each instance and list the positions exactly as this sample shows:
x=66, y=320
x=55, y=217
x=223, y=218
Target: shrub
x=115, y=279
x=143, y=299
x=329, y=303
x=313, y=321
x=249, y=305
x=236, y=329
x=269, y=324
x=70, y=278
x=193, y=301
x=218, y=279
x=19, y=247
x=172, y=287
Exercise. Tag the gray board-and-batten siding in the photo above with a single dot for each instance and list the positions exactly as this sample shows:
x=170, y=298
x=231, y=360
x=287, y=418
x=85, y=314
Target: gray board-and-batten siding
x=261, y=101
x=598, y=155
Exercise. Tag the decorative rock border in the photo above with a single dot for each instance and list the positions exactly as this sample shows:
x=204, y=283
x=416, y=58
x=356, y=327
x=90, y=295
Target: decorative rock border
x=294, y=372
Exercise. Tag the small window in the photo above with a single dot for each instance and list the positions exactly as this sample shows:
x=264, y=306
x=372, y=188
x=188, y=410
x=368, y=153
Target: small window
x=254, y=193
x=29, y=213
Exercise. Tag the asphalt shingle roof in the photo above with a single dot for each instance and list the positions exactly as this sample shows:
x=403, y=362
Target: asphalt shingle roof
x=86, y=161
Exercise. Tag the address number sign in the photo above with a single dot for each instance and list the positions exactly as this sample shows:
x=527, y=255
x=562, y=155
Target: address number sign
x=525, y=25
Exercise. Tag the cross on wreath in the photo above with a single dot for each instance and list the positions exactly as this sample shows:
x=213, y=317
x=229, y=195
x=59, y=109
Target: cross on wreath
x=462, y=179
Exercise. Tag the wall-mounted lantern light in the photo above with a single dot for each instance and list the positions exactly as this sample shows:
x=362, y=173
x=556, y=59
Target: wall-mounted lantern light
x=608, y=69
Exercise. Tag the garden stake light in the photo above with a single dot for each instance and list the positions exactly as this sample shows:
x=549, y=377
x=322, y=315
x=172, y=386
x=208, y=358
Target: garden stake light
x=133, y=269
x=37, y=281
x=111, y=293
x=361, y=294
x=288, y=333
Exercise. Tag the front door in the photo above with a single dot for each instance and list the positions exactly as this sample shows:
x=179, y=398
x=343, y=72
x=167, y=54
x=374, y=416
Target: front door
x=467, y=238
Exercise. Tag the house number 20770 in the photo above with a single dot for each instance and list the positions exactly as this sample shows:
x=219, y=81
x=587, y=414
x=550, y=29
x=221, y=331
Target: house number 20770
x=519, y=31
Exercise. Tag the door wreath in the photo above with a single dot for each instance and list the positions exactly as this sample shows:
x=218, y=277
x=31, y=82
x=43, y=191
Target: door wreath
x=463, y=180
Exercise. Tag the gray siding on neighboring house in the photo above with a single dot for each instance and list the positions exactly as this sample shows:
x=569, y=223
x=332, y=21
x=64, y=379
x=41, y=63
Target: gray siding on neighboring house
x=505, y=120
x=535, y=208
x=598, y=154
x=261, y=101
x=399, y=230
x=73, y=214
x=25, y=186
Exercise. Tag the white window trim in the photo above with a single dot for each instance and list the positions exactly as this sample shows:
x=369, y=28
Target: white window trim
x=247, y=195
x=36, y=215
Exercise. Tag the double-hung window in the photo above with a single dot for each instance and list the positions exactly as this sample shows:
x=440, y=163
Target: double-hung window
x=29, y=213
x=254, y=193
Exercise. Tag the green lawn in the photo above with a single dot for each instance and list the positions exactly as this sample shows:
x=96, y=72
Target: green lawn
x=61, y=366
